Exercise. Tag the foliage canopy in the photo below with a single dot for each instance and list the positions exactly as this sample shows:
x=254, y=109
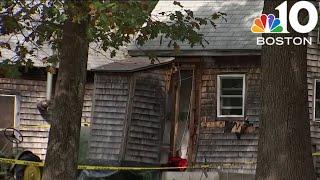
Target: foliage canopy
x=111, y=24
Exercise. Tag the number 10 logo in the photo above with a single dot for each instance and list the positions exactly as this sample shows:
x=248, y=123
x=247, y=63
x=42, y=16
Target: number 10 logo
x=271, y=24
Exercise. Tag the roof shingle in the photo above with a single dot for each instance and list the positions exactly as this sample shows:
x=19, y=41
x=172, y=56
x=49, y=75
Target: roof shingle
x=96, y=58
x=234, y=34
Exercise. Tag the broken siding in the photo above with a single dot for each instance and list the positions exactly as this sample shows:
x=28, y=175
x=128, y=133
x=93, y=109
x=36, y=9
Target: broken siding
x=147, y=118
x=315, y=139
x=217, y=146
x=109, y=113
x=209, y=90
x=214, y=144
x=29, y=93
x=313, y=60
x=313, y=73
x=127, y=117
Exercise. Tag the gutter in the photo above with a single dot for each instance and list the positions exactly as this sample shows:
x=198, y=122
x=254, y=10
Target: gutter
x=49, y=85
x=195, y=52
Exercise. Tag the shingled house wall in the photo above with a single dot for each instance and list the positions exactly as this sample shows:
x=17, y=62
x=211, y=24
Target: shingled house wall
x=214, y=145
x=29, y=93
x=313, y=60
x=128, y=116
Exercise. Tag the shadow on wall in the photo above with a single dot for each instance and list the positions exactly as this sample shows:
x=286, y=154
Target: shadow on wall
x=83, y=144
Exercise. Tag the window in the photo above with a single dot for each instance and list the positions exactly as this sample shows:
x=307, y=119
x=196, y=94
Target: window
x=230, y=96
x=317, y=100
x=7, y=111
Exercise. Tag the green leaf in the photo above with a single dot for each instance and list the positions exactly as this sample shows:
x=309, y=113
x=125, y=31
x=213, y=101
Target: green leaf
x=172, y=17
x=177, y=4
x=213, y=24
x=112, y=24
x=169, y=44
x=113, y=53
x=176, y=47
x=5, y=45
x=161, y=37
x=215, y=16
x=189, y=12
x=179, y=15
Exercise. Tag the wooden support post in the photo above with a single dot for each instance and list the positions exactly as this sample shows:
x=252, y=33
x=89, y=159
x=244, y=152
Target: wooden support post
x=176, y=117
x=195, y=119
x=174, y=108
x=191, y=118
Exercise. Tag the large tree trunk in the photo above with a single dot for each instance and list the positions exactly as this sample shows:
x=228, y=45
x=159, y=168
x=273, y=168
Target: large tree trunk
x=62, y=152
x=284, y=144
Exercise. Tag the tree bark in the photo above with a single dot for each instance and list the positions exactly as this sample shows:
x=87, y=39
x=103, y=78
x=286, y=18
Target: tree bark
x=284, y=150
x=62, y=152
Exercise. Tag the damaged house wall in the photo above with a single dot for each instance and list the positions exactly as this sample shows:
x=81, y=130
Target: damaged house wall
x=313, y=74
x=213, y=139
x=128, y=117
x=216, y=143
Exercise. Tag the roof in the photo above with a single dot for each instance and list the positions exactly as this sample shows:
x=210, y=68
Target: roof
x=133, y=64
x=96, y=57
x=233, y=35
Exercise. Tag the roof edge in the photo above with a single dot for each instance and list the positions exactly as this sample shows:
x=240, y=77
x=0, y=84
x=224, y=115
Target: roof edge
x=151, y=66
x=170, y=53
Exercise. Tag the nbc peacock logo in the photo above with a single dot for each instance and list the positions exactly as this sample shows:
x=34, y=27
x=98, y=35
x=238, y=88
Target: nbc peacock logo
x=267, y=24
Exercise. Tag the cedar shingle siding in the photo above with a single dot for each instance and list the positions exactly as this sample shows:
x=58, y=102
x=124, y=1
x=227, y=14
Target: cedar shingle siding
x=313, y=57
x=128, y=114
x=313, y=60
x=111, y=95
x=29, y=93
x=231, y=38
x=215, y=145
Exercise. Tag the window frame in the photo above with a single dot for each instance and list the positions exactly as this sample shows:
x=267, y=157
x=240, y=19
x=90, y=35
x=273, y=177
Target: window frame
x=243, y=76
x=15, y=118
x=314, y=99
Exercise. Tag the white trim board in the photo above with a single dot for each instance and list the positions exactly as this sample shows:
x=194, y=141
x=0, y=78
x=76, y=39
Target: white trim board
x=243, y=76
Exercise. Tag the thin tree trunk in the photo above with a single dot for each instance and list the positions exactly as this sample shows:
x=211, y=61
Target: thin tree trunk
x=284, y=144
x=62, y=152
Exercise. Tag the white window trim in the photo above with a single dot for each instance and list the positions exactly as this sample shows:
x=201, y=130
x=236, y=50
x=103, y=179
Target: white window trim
x=243, y=76
x=15, y=118
x=314, y=99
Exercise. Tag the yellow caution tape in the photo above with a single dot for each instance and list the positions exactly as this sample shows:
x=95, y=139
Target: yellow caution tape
x=35, y=126
x=121, y=168
x=21, y=162
x=46, y=125
x=316, y=154
x=114, y=168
